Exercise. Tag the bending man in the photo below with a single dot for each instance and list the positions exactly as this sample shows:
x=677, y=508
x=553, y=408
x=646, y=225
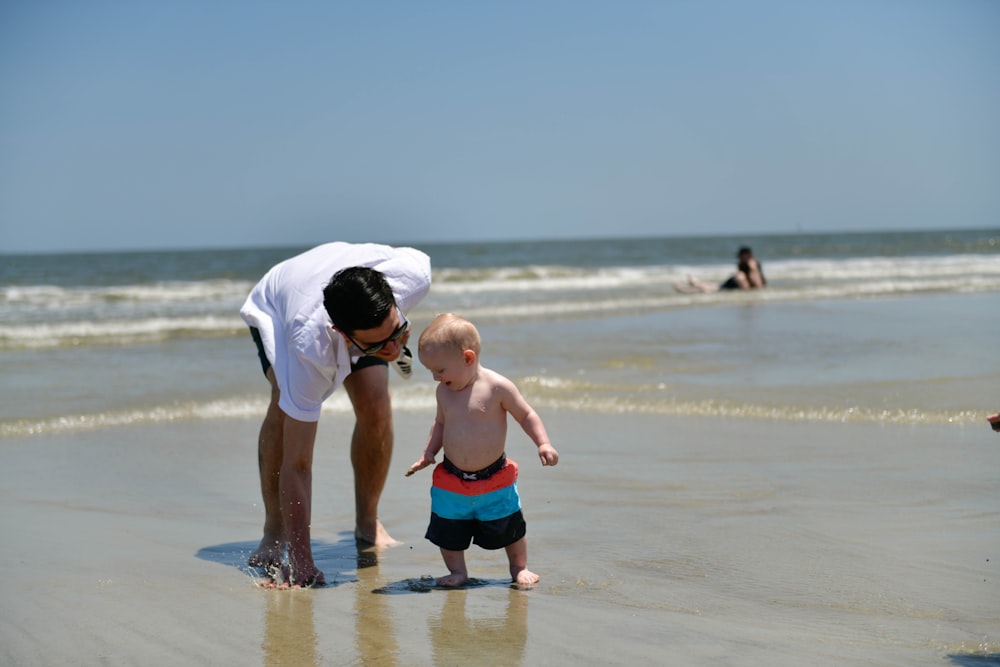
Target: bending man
x=334, y=315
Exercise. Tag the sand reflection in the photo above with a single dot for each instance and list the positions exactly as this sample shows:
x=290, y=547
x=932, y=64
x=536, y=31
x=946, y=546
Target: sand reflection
x=374, y=632
x=289, y=630
x=478, y=631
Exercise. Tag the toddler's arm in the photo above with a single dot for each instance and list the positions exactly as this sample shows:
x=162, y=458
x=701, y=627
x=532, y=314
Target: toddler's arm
x=531, y=423
x=533, y=426
x=434, y=442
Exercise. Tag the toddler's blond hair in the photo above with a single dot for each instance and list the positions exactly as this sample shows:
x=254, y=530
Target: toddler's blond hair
x=450, y=331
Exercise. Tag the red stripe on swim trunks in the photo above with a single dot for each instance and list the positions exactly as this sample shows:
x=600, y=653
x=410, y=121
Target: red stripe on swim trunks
x=446, y=481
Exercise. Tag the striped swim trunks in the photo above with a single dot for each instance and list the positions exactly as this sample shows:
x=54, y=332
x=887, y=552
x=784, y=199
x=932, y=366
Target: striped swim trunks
x=481, y=507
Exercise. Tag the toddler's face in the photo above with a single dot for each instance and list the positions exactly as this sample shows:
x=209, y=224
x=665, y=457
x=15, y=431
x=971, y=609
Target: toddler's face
x=450, y=367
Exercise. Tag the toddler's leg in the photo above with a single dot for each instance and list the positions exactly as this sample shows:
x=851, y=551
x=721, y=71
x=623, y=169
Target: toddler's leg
x=517, y=556
x=455, y=562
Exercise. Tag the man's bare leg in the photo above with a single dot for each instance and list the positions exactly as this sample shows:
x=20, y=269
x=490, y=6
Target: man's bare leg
x=517, y=556
x=371, y=450
x=458, y=572
x=270, y=552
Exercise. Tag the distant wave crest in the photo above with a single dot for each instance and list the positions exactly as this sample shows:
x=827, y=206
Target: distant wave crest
x=115, y=332
x=54, y=296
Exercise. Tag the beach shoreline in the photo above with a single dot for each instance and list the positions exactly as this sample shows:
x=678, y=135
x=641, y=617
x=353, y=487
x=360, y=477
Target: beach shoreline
x=715, y=541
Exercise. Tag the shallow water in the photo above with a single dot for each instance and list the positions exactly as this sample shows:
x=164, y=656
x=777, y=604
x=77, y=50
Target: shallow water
x=896, y=360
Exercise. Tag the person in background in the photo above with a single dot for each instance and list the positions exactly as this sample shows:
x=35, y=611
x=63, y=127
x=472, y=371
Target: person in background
x=749, y=275
x=334, y=315
x=474, y=489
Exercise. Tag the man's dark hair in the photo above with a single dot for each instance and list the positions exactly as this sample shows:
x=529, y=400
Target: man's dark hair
x=358, y=298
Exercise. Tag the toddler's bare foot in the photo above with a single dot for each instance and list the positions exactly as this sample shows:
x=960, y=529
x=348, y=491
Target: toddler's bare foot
x=267, y=555
x=526, y=578
x=375, y=536
x=453, y=579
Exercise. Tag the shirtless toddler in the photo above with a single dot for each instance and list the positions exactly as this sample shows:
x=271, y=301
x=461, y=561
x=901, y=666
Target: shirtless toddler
x=474, y=493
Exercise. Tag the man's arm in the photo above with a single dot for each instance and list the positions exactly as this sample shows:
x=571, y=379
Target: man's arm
x=295, y=484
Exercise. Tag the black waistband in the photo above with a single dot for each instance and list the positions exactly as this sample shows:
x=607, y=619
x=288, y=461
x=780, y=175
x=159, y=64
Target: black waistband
x=485, y=473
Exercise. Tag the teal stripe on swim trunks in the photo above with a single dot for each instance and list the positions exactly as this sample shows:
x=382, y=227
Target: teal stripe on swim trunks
x=486, y=507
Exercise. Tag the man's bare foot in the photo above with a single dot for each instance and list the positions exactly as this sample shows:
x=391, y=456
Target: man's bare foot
x=276, y=585
x=453, y=579
x=525, y=578
x=268, y=554
x=315, y=580
x=374, y=536
x=280, y=578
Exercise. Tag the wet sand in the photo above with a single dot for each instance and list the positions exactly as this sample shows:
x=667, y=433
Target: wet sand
x=659, y=540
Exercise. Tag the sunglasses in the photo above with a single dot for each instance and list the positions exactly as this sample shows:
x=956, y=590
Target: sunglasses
x=394, y=336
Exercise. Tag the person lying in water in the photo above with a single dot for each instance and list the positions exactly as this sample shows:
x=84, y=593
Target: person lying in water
x=749, y=275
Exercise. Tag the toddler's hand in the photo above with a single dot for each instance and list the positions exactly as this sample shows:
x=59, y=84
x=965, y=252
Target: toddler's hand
x=548, y=454
x=419, y=465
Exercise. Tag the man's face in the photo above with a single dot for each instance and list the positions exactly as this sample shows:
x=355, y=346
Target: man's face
x=389, y=337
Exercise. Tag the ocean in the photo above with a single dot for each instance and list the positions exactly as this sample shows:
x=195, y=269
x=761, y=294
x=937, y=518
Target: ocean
x=896, y=327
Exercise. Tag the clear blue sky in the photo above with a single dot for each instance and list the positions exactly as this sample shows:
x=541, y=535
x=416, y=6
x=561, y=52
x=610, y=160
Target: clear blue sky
x=199, y=123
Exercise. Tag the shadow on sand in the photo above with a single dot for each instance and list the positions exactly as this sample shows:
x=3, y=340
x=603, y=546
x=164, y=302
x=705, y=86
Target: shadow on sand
x=428, y=584
x=976, y=660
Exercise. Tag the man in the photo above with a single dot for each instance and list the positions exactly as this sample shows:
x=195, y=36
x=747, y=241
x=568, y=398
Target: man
x=334, y=315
